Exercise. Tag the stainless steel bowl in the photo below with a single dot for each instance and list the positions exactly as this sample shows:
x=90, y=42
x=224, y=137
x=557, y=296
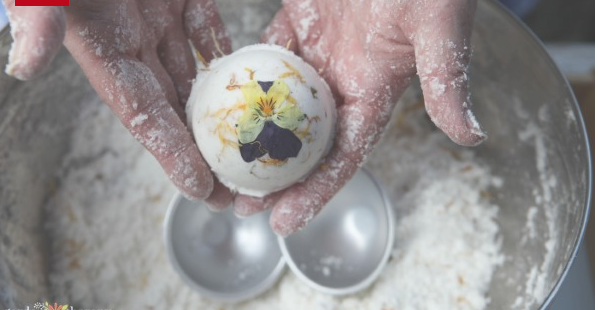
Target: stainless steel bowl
x=220, y=255
x=514, y=83
x=346, y=247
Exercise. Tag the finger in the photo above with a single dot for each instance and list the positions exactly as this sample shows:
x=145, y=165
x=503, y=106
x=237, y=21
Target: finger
x=247, y=205
x=173, y=50
x=205, y=29
x=136, y=96
x=143, y=108
x=220, y=198
x=280, y=32
x=442, y=52
x=298, y=27
x=176, y=58
x=303, y=201
x=304, y=16
x=38, y=33
x=150, y=58
x=360, y=124
x=133, y=90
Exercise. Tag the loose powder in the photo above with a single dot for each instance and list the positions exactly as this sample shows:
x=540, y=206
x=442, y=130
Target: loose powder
x=105, y=225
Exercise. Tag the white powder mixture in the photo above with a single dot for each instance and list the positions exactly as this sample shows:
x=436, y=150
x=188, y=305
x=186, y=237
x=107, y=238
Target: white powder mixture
x=105, y=223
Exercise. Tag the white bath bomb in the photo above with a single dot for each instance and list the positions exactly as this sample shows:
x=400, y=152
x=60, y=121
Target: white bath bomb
x=262, y=117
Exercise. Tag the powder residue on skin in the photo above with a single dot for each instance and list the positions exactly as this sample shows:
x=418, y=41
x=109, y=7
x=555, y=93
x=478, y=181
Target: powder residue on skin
x=437, y=87
x=107, y=250
x=311, y=17
x=138, y=120
x=33, y=47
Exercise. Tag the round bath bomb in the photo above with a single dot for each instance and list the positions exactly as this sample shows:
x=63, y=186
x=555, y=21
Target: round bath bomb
x=262, y=117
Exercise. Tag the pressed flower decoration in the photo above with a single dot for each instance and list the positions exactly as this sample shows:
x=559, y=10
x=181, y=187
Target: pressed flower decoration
x=268, y=122
x=56, y=306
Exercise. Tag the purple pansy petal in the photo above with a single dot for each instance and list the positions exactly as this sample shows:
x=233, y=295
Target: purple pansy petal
x=279, y=143
x=265, y=85
x=282, y=143
x=252, y=150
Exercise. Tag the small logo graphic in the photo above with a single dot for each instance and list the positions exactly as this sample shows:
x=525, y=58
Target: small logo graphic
x=41, y=2
x=48, y=306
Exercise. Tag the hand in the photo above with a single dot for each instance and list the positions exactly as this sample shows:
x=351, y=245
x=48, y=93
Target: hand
x=136, y=55
x=368, y=52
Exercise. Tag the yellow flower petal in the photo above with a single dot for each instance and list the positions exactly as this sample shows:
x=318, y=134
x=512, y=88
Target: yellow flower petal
x=249, y=126
x=252, y=92
x=289, y=117
x=278, y=92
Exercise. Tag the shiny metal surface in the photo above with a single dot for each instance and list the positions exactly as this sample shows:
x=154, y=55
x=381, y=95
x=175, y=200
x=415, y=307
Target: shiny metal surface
x=220, y=255
x=345, y=248
x=516, y=87
x=514, y=83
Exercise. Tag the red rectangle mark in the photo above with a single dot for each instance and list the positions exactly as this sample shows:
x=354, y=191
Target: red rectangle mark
x=41, y=2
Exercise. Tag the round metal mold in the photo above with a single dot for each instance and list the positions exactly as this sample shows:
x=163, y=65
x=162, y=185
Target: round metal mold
x=344, y=249
x=221, y=256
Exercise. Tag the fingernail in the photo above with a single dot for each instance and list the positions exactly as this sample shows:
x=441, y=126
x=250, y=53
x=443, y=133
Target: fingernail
x=242, y=211
x=11, y=67
x=474, y=127
x=281, y=232
x=240, y=216
x=14, y=67
x=285, y=230
x=213, y=208
x=284, y=225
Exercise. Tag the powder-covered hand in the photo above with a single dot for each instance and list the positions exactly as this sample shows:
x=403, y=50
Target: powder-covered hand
x=136, y=55
x=368, y=52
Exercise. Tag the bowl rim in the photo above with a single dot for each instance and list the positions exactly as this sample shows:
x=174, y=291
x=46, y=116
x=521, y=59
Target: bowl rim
x=249, y=293
x=366, y=282
x=500, y=9
x=542, y=52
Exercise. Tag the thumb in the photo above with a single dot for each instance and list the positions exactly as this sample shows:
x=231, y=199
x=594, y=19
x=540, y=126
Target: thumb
x=38, y=33
x=280, y=32
x=442, y=53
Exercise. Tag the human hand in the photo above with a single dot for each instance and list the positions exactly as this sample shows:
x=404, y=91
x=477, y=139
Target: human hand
x=368, y=52
x=136, y=55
